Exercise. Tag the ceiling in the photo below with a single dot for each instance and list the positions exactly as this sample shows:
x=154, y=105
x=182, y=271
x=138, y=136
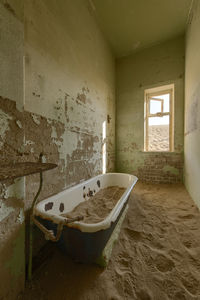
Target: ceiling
x=131, y=25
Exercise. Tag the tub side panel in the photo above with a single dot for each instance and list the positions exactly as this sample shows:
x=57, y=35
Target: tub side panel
x=85, y=247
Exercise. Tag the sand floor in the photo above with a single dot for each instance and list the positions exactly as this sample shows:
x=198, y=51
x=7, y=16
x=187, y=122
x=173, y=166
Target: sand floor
x=157, y=255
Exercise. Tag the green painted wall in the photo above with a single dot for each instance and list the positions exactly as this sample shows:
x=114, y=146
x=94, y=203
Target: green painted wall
x=159, y=65
x=192, y=104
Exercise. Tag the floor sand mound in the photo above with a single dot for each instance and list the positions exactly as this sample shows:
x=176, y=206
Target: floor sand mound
x=157, y=256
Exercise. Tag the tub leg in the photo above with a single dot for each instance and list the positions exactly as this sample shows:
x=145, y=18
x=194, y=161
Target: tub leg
x=31, y=229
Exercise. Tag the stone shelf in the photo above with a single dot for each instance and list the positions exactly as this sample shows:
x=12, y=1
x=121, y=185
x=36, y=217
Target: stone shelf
x=15, y=170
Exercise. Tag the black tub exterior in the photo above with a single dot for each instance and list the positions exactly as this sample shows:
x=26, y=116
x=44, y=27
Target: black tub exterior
x=85, y=247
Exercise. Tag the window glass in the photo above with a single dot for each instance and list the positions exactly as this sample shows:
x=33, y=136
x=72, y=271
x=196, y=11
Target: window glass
x=155, y=106
x=166, y=102
x=159, y=119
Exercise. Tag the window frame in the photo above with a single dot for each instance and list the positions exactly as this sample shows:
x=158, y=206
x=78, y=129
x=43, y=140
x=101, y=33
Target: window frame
x=150, y=94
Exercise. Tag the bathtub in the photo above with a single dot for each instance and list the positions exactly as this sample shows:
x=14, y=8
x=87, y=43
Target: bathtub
x=84, y=242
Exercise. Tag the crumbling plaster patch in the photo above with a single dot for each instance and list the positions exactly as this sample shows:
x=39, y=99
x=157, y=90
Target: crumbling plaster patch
x=82, y=157
x=4, y=125
x=5, y=210
x=11, y=199
x=36, y=119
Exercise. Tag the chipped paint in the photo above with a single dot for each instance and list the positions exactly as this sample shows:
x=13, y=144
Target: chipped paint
x=28, y=142
x=36, y=119
x=17, y=189
x=5, y=210
x=44, y=159
x=19, y=124
x=4, y=125
x=53, y=133
x=3, y=191
x=12, y=191
x=21, y=217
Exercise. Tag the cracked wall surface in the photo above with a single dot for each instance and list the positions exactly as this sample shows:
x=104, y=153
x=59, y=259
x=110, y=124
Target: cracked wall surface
x=155, y=66
x=57, y=89
x=192, y=105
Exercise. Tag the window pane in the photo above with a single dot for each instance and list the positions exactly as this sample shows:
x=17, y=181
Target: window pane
x=155, y=106
x=158, y=134
x=166, y=103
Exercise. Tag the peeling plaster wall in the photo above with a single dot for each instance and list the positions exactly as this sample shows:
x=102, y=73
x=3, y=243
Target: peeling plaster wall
x=69, y=79
x=192, y=105
x=57, y=87
x=155, y=66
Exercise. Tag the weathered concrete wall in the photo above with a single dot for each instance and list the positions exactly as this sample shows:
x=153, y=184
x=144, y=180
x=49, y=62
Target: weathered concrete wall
x=12, y=235
x=192, y=104
x=156, y=66
x=54, y=101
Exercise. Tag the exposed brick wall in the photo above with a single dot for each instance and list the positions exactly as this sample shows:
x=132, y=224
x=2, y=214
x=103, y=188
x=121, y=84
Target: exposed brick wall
x=162, y=168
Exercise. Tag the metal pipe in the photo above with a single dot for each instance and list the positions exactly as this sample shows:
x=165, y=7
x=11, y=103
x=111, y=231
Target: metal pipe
x=31, y=225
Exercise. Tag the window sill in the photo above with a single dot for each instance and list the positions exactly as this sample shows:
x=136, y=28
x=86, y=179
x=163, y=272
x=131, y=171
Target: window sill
x=160, y=152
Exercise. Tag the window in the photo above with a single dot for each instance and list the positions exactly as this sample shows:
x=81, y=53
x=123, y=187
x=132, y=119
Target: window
x=159, y=119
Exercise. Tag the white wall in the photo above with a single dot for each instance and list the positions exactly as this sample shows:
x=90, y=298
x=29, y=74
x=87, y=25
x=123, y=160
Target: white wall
x=192, y=104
